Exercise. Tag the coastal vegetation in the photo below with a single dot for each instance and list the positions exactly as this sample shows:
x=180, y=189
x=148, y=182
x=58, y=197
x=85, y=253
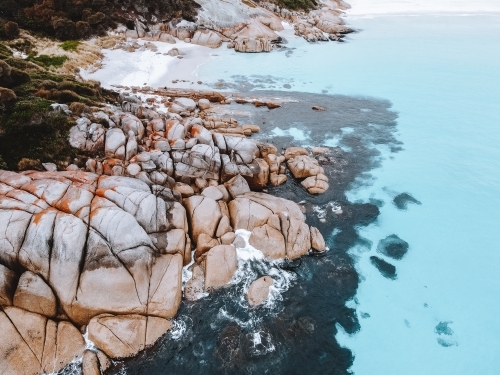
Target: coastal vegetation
x=30, y=130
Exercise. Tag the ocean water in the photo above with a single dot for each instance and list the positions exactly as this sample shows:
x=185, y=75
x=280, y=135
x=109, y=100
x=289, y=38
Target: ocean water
x=441, y=73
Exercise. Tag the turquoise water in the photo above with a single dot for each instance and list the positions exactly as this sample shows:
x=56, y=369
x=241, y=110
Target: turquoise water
x=442, y=75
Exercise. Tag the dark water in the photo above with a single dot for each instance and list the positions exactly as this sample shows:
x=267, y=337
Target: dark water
x=297, y=334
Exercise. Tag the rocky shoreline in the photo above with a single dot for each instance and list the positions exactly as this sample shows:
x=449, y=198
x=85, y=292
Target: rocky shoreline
x=244, y=26
x=101, y=249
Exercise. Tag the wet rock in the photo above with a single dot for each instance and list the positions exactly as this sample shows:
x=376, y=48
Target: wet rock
x=126, y=335
x=393, y=246
x=316, y=184
x=303, y=166
x=251, y=210
x=317, y=240
x=292, y=152
x=269, y=240
x=195, y=287
x=220, y=265
x=259, y=290
x=318, y=108
x=90, y=363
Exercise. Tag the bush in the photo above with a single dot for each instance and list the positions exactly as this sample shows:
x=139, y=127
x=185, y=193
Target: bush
x=7, y=95
x=26, y=164
x=82, y=28
x=77, y=108
x=5, y=52
x=19, y=77
x=70, y=45
x=48, y=61
x=3, y=165
x=96, y=18
x=64, y=28
x=11, y=30
x=5, y=74
x=68, y=96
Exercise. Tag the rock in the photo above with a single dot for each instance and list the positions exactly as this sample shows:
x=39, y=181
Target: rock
x=269, y=240
x=206, y=38
x=259, y=290
x=50, y=167
x=201, y=161
x=220, y=265
x=133, y=169
x=90, y=363
x=33, y=294
x=318, y=108
x=393, y=246
x=292, y=152
x=316, y=184
x=225, y=194
x=319, y=150
x=304, y=166
x=32, y=344
x=8, y=281
x=72, y=167
x=115, y=144
x=317, y=240
x=212, y=192
x=204, y=104
x=267, y=149
x=185, y=190
x=91, y=239
x=166, y=38
x=204, y=244
x=237, y=186
x=277, y=179
x=260, y=177
x=186, y=103
x=253, y=210
x=125, y=335
x=104, y=361
x=228, y=238
x=202, y=135
x=194, y=289
x=203, y=215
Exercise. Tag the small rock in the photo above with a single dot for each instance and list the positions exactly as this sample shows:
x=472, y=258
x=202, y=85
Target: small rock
x=50, y=167
x=237, y=186
x=318, y=108
x=259, y=290
x=212, y=192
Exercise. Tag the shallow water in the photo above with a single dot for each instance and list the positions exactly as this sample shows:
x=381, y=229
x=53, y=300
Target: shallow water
x=441, y=75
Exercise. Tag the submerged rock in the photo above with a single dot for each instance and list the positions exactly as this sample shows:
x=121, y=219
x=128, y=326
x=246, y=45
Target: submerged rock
x=393, y=246
x=385, y=268
x=402, y=200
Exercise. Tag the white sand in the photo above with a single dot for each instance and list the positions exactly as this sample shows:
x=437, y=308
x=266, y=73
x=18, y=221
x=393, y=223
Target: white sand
x=148, y=68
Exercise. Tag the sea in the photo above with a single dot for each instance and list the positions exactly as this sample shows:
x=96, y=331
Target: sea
x=411, y=280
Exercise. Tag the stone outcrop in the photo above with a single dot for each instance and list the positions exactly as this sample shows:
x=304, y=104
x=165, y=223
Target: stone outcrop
x=260, y=213
x=126, y=335
x=258, y=292
x=32, y=344
x=219, y=265
x=105, y=248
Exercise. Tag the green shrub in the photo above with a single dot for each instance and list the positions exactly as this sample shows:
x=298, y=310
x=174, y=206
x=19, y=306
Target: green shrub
x=70, y=45
x=5, y=52
x=3, y=165
x=19, y=77
x=47, y=61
